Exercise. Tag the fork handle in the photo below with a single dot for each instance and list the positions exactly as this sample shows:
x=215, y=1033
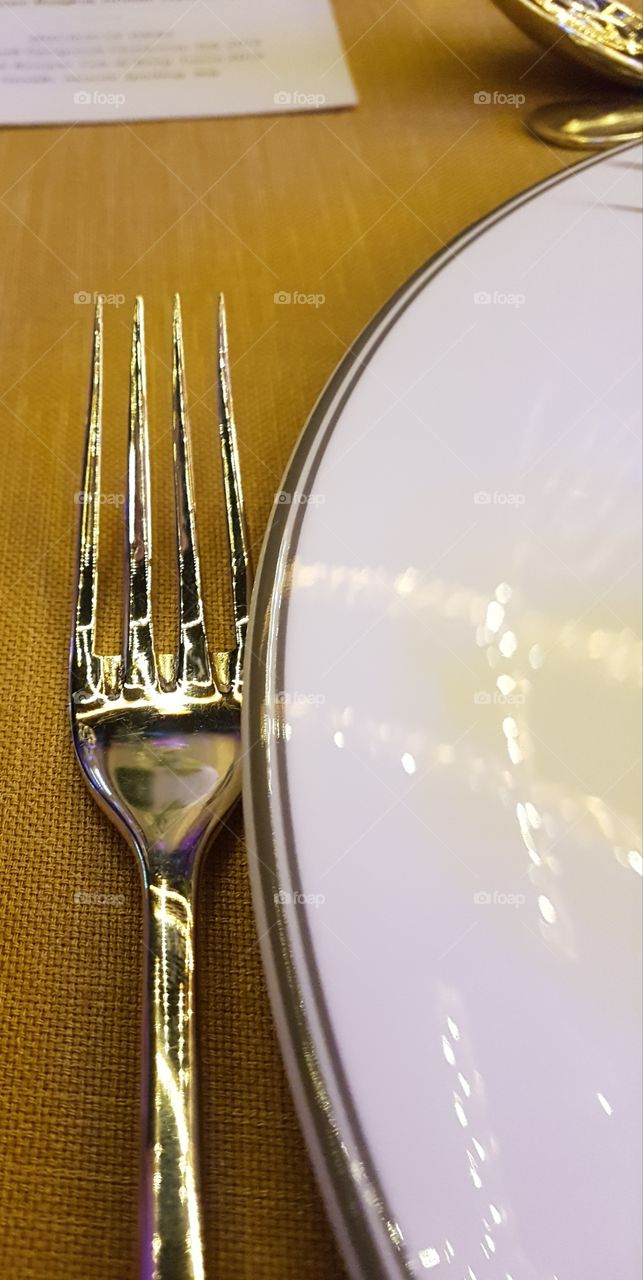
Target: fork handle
x=171, y=1241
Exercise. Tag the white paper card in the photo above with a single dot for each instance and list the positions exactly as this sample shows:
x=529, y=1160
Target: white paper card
x=112, y=60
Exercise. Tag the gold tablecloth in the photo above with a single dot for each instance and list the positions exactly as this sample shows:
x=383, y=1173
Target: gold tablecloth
x=342, y=204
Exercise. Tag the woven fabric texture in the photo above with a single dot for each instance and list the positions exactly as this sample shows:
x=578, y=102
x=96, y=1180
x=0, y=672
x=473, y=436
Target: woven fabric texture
x=345, y=205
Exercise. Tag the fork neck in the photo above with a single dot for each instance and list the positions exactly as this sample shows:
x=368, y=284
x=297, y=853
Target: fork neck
x=170, y=1216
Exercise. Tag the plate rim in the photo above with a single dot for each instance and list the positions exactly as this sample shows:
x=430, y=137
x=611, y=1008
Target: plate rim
x=364, y=1228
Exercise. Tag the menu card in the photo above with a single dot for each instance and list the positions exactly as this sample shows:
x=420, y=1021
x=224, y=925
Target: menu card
x=110, y=60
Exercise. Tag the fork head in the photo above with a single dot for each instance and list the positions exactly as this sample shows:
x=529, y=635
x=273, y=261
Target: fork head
x=158, y=736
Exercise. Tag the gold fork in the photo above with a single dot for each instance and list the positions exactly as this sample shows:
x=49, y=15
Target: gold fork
x=158, y=742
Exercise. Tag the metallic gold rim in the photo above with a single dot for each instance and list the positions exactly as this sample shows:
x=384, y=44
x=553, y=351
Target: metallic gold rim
x=366, y=1229
x=587, y=125
x=577, y=32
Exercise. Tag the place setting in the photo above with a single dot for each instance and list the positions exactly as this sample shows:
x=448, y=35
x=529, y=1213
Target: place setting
x=419, y=746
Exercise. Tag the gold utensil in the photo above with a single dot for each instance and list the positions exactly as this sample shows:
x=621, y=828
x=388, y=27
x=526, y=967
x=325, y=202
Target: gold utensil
x=158, y=742
x=587, y=124
x=603, y=35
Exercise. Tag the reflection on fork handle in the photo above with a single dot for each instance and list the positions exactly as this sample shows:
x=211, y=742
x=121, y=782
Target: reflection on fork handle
x=171, y=1240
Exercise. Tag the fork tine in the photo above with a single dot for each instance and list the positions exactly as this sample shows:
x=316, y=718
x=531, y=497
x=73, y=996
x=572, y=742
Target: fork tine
x=194, y=659
x=140, y=663
x=86, y=667
x=237, y=536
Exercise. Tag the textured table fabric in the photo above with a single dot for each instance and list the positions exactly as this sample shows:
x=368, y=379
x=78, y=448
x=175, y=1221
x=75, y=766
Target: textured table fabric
x=343, y=205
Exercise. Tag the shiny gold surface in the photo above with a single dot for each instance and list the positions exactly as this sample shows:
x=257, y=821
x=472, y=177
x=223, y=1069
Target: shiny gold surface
x=605, y=36
x=157, y=738
x=587, y=124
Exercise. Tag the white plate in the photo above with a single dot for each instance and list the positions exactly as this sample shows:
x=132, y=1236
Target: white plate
x=442, y=784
